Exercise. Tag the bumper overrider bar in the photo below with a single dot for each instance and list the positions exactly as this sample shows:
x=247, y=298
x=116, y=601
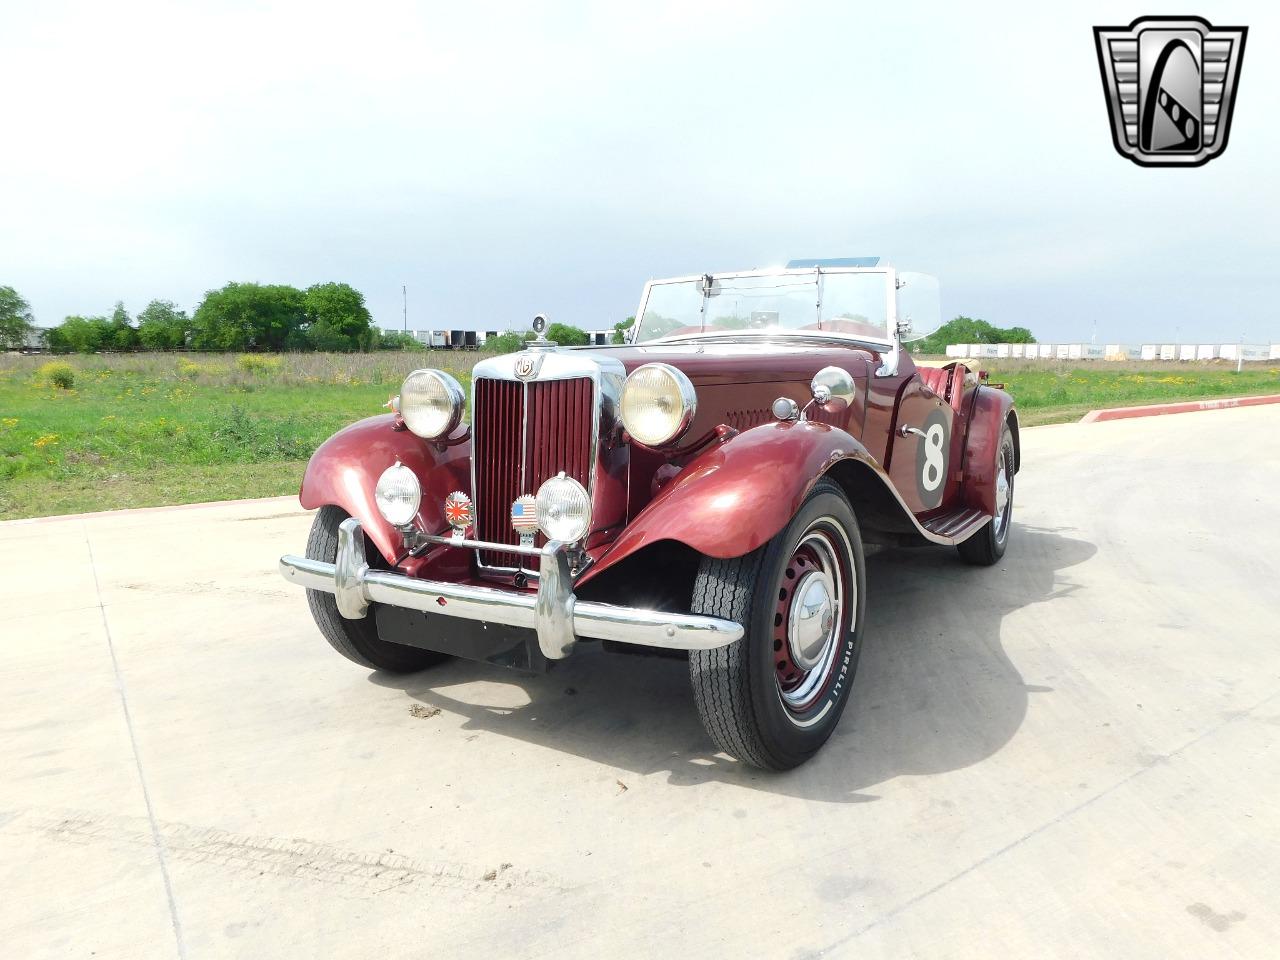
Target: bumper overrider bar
x=554, y=613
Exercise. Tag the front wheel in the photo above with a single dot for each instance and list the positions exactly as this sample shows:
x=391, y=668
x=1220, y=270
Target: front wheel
x=357, y=640
x=773, y=698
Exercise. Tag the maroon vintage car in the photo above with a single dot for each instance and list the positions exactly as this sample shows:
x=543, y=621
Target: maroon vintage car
x=705, y=489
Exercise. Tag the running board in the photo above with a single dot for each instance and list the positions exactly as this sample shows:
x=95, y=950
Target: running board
x=957, y=526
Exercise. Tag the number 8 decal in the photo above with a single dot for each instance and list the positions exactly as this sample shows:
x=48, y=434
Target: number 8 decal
x=931, y=459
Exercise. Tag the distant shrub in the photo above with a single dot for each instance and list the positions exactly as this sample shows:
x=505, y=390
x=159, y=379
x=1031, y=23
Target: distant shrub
x=57, y=373
x=567, y=336
x=505, y=343
x=258, y=363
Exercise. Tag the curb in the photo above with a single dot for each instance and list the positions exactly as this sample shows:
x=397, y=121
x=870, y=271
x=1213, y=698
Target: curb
x=1190, y=406
x=291, y=499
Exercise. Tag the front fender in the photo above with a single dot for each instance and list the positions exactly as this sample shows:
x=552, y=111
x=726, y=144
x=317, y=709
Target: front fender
x=992, y=409
x=345, y=468
x=739, y=494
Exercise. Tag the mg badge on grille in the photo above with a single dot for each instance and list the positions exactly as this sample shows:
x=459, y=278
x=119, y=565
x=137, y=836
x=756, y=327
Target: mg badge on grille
x=527, y=365
x=459, y=513
x=524, y=518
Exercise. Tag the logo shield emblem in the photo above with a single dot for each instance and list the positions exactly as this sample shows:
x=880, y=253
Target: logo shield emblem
x=1170, y=84
x=527, y=365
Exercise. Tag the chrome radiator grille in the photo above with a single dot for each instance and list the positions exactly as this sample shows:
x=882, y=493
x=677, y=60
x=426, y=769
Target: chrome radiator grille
x=524, y=434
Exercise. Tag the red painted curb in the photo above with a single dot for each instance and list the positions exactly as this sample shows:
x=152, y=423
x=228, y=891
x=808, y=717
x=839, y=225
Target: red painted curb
x=1190, y=406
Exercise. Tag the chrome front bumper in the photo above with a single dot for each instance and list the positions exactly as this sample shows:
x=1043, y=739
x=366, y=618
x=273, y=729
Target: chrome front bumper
x=554, y=613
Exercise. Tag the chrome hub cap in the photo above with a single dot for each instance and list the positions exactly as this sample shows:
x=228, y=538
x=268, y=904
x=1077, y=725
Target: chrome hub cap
x=811, y=619
x=1004, y=495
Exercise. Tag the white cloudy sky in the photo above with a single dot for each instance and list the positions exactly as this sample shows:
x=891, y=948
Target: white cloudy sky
x=503, y=162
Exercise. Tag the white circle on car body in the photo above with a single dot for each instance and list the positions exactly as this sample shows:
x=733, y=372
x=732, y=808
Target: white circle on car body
x=932, y=451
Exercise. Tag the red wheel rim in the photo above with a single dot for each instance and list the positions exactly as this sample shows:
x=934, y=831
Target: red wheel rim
x=810, y=617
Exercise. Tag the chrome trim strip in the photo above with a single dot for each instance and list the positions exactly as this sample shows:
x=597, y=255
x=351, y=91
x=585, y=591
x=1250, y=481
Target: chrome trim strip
x=481, y=545
x=556, y=615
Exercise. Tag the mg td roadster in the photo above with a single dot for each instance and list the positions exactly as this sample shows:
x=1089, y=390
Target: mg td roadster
x=705, y=489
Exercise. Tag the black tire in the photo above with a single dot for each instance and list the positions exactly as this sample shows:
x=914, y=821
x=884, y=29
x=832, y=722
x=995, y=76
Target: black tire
x=987, y=546
x=740, y=689
x=357, y=640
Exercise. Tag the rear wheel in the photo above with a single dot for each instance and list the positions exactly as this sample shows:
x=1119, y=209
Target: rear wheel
x=773, y=698
x=987, y=546
x=357, y=640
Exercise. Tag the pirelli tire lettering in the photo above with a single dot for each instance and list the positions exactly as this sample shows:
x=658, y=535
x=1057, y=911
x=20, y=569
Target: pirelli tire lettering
x=932, y=452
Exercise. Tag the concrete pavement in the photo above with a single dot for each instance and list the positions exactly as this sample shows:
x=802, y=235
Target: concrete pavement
x=1071, y=754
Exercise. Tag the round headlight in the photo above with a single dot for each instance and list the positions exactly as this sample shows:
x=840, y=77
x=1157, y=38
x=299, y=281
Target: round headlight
x=431, y=403
x=564, y=509
x=658, y=404
x=398, y=495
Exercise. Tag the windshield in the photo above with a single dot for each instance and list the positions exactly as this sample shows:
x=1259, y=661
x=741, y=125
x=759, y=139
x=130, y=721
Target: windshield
x=851, y=303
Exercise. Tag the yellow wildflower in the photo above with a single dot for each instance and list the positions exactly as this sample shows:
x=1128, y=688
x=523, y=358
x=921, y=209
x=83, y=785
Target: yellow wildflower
x=10, y=421
x=44, y=441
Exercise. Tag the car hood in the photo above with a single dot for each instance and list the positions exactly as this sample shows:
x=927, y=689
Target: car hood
x=740, y=361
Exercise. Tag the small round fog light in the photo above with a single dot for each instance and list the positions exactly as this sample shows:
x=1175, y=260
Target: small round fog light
x=564, y=509
x=398, y=495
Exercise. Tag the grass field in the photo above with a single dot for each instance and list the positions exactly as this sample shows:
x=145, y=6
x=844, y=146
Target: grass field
x=151, y=429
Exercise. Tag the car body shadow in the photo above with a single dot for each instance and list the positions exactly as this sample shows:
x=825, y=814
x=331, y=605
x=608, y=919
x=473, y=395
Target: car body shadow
x=935, y=690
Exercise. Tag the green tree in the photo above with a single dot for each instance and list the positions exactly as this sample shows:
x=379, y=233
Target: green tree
x=337, y=318
x=120, y=333
x=78, y=335
x=970, y=330
x=1016, y=335
x=16, y=321
x=567, y=336
x=620, y=330
x=162, y=326
x=250, y=316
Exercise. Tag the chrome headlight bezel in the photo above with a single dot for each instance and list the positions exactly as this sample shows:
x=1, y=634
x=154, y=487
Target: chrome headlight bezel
x=555, y=493
x=431, y=419
x=681, y=394
x=397, y=489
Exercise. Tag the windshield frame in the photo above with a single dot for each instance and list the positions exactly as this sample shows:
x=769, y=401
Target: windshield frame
x=891, y=306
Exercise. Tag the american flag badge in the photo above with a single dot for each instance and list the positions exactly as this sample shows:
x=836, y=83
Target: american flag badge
x=524, y=518
x=459, y=513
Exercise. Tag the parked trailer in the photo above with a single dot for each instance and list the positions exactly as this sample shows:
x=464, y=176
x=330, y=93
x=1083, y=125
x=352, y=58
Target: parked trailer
x=1168, y=351
x=1206, y=351
x=1017, y=350
x=1150, y=351
x=1252, y=352
x=1046, y=351
x=1275, y=352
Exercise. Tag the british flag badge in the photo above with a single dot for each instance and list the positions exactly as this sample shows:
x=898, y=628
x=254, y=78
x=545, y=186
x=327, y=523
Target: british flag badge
x=524, y=518
x=459, y=513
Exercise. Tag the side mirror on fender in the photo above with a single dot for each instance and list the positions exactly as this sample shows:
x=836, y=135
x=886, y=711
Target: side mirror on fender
x=832, y=389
